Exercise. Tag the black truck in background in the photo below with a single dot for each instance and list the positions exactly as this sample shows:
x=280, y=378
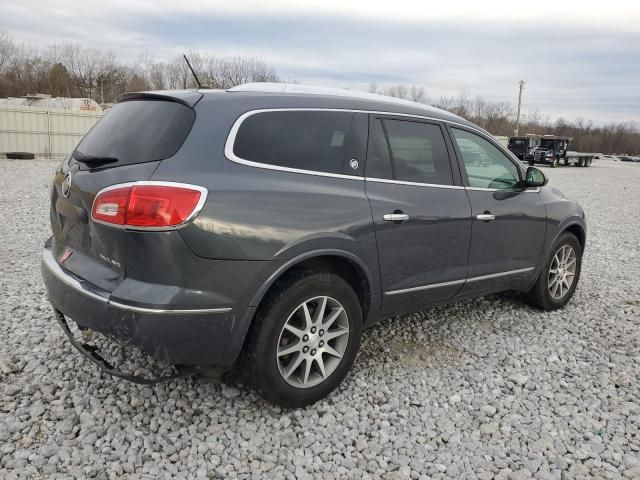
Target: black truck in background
x=551, y=150
x=524, y=146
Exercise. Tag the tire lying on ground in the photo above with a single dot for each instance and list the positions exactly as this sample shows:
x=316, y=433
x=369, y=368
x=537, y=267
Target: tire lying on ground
x=20, y=156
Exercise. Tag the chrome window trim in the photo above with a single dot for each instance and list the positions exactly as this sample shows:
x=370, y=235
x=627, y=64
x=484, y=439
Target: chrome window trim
x=203, y=197
x=480, y=189
x=53, y=266
x=416, y=184
x=231, y=138
x=458, y=282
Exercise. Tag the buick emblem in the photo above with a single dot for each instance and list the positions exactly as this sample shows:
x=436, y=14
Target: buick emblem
x=66, y=185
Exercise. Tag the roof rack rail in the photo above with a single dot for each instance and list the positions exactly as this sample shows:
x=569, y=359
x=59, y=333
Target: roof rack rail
x=294, y=88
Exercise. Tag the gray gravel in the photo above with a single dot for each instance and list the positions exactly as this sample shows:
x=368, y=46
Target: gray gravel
x=482, y=389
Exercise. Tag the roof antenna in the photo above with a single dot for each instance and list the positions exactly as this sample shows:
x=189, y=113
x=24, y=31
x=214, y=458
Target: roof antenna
x=193, y=72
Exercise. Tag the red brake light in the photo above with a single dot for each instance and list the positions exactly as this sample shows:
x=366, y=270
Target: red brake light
x=147, y=205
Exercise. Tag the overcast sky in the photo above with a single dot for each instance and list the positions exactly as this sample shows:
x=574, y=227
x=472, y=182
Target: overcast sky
x=579, y=58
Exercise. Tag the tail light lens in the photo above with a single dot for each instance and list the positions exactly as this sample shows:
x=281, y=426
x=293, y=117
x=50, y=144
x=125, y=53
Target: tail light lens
x=148, y=204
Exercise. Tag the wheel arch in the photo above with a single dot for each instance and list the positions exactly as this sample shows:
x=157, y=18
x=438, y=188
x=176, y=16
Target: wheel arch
x=577, y=230
x=341, y=262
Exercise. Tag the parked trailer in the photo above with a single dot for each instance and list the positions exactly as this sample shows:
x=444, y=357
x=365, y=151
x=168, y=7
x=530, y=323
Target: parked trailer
x=579, y=159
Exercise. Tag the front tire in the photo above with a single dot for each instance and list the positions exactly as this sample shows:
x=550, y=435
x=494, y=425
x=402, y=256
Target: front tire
x=559, y=277
x=554, y=162
x=304, y=340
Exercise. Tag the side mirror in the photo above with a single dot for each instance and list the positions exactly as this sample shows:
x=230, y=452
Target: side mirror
x=535, y=178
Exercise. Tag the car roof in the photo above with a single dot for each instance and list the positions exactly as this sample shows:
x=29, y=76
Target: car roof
x=336, y=97
x=255, y=96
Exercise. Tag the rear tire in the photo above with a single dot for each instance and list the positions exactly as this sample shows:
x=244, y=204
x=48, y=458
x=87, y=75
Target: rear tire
x=293, y=340
x=554, y=290
x=581, y=162
x=531, y=163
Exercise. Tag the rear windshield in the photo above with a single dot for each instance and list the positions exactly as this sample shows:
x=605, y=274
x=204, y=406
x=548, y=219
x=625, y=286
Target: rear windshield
x=138, y=131
x=306, y=140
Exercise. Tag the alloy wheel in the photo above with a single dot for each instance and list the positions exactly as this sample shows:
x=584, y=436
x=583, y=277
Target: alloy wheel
x=562, y=272
x=312, y=342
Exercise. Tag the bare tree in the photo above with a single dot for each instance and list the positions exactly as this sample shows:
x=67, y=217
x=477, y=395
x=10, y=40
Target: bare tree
x=417, y=94
x=7, y=50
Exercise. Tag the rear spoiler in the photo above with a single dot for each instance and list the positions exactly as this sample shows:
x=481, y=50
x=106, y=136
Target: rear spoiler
x=185, y=97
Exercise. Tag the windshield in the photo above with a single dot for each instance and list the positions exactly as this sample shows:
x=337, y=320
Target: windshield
x=137, y=131
x=547, y=143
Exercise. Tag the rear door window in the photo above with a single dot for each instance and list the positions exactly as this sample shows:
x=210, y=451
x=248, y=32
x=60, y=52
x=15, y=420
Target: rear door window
x=409, y=151
x=138, y=131
x=303, y=140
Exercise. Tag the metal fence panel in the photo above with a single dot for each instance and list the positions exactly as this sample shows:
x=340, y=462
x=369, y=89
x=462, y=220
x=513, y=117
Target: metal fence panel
x=48, y=133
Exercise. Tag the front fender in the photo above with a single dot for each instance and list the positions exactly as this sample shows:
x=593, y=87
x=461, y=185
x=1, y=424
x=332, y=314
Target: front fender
x=563, y=227
x=562, y=213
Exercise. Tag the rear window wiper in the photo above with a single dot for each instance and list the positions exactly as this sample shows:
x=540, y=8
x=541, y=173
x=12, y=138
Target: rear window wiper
x=93, y=160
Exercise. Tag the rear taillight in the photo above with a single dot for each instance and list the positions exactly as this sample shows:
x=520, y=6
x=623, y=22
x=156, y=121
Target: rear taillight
x=148, y=204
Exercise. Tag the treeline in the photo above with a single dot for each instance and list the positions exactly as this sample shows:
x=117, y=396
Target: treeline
x=70, y=70
x=499, y=118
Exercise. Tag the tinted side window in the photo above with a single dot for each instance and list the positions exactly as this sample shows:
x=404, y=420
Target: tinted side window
x=304, y=140
x=137, y=131
x=418, y=152
x=486, y=166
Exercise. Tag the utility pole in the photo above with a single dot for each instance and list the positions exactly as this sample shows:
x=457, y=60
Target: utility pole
x=517, y=130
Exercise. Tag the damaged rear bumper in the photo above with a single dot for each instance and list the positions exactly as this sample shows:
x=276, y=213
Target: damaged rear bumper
x=203, y=336
x=94, y=356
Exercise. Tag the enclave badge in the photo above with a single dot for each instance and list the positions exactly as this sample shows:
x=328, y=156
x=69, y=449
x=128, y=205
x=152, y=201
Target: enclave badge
x=66, y=185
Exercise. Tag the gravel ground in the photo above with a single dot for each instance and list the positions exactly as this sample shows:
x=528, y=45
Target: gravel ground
x=483, y=389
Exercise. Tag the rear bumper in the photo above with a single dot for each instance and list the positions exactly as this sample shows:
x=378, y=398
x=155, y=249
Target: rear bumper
x=203, y=336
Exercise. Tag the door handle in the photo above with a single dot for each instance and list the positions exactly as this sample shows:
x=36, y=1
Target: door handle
x=396, y=217
x=487, y=217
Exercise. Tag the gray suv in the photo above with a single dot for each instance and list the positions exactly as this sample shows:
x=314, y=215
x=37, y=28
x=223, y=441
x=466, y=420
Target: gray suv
x=265, y=226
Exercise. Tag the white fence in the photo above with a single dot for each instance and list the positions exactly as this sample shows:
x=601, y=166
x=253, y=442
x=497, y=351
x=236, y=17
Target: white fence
x=45, y=133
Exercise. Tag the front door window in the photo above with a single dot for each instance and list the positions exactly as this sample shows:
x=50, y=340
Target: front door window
x=485, y=164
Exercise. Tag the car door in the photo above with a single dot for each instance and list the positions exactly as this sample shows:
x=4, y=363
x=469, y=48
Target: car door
x=420, y=209
x=508, y=221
